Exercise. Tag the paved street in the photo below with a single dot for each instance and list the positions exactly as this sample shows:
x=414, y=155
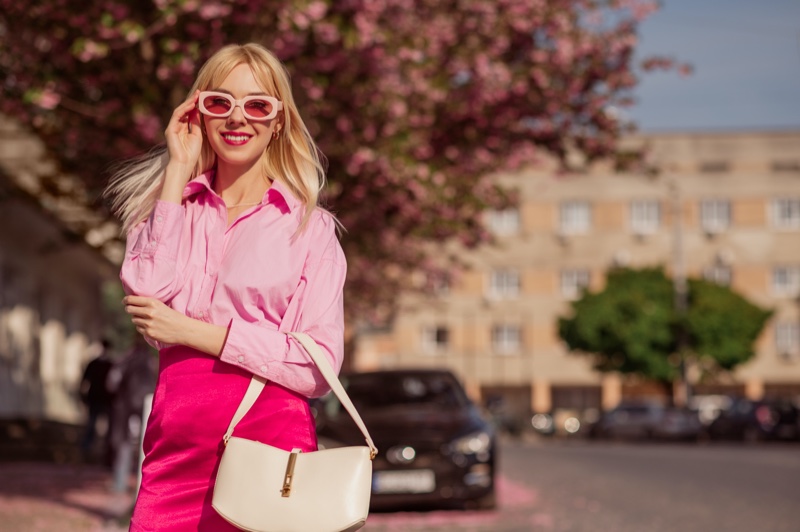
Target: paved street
x=544, y=486
x=588, y=486
x=658, y=488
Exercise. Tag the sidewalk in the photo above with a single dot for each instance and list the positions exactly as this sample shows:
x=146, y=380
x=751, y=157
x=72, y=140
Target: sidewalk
x=64, y=497
x=45, y=484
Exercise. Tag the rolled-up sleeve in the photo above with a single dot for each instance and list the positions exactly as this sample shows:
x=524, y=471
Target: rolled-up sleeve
x=316, y=309
x=149, y=268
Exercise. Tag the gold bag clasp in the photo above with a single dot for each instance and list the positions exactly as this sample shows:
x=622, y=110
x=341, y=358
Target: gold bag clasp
x=289, y=476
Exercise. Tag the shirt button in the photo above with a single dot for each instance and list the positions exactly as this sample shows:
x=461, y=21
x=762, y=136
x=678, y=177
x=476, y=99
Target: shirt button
x=159, y=218
x=263, y=368
x=241, y=358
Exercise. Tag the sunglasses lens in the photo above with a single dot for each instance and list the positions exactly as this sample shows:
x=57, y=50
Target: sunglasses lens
x=217, y=105
x=258, y=108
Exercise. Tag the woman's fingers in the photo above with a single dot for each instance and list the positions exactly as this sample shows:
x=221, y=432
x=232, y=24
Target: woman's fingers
x=142, y=312
x=184, y=134
x=138, y=305
x=153, y=318
x=185, y=112
x=136, y=301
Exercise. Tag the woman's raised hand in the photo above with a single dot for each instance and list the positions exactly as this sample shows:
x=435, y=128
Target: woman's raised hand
x=184, y=135
x=184, y=141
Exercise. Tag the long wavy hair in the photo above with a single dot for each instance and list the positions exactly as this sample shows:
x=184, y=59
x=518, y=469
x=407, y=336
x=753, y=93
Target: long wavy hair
x=292, y=157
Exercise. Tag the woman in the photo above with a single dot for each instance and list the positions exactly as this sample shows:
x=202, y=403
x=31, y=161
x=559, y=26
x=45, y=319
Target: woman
x=227, y=251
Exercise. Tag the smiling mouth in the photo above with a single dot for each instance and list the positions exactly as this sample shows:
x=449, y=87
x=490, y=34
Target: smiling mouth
x=235, y=139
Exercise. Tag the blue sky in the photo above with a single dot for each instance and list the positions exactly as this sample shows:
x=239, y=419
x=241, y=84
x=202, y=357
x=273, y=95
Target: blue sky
x=746, y=56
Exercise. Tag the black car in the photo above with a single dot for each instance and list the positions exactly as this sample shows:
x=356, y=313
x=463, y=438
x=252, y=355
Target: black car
x=750, y=421
x=435, y=446
x=648, y=420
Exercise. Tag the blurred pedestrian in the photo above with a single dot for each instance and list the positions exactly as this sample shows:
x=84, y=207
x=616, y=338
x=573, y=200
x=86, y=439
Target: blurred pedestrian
x=131, y=380
x=228, y=251
x=97, y=398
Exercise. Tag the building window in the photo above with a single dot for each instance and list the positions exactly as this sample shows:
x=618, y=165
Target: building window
x=718, y=273
x=787, y=339
x=780, y=167
x=505, y=222
x=575, y=217
x=645, y=216
x=786, y=213
x=715, y=215
x=786, y=280
x=573, y=282
x=504, y=284
x=714, y=167
x=506, y=339
x=435, y=339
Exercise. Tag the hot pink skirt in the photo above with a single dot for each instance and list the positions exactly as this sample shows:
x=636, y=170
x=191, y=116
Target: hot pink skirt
x=194, y=401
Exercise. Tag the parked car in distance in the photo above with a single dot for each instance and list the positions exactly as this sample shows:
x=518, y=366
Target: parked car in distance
x=505, y=418
x=708, y=407
x=752, y=421
x=565, y=422
x=648, y=420
x=436, y=447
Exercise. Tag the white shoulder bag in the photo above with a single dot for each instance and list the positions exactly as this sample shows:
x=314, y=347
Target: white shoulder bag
x=261, y=488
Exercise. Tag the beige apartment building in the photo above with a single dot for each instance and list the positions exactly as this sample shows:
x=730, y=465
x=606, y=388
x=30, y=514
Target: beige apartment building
x=725, y=206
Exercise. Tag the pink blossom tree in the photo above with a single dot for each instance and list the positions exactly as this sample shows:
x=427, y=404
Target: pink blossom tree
x=415, y=102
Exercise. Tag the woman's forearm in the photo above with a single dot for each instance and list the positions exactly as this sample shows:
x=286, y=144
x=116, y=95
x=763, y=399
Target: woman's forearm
x=205, y=337
x=175, y=179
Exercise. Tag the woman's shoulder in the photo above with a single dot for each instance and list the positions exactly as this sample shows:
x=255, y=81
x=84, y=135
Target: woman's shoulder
x=322, y=232
x=323, y=223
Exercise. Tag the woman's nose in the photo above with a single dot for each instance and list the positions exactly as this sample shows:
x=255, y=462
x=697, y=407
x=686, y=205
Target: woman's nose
x=237, y=116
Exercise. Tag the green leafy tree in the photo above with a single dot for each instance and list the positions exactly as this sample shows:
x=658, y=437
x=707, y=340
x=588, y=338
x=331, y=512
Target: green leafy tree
x=632, y=327
x=415, y=102
x=722, y=325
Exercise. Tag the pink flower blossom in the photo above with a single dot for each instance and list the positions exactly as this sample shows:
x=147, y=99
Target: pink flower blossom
x=405, y=97
x=316, y=10
x=48, y=99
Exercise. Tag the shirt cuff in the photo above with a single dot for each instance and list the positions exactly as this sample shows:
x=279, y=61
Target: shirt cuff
x=246, y=342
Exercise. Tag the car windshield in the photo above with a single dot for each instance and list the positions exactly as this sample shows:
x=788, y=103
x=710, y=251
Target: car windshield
x=372, y=391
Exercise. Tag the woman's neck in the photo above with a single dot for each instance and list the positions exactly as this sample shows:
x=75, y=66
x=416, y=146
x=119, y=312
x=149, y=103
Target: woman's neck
x=235, y=185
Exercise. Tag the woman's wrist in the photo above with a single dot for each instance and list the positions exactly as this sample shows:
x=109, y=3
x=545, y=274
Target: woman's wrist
x=175, y=178
x=203, y=336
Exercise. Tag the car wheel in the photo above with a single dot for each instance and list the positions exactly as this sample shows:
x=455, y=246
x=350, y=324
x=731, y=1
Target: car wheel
x=487, y=502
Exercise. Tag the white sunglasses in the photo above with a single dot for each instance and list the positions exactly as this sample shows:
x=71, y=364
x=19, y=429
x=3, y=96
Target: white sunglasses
x=221, y=105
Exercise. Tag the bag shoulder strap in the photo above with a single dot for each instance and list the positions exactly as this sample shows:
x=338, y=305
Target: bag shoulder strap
x=257, y=384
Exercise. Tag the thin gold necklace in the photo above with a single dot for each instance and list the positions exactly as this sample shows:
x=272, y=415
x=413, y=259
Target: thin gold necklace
x=242, y=205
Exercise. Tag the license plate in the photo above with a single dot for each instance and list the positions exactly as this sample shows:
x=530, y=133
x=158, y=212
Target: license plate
x=416, y=481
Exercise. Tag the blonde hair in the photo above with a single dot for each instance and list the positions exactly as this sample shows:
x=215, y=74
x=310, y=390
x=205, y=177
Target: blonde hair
x=292, y=157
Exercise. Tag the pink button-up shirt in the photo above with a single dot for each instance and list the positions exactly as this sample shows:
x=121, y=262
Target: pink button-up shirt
x=258, y=277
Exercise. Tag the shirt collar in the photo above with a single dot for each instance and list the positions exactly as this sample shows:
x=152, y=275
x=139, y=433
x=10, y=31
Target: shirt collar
x=280, y=189
x=198, y=184
x=203, y=183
